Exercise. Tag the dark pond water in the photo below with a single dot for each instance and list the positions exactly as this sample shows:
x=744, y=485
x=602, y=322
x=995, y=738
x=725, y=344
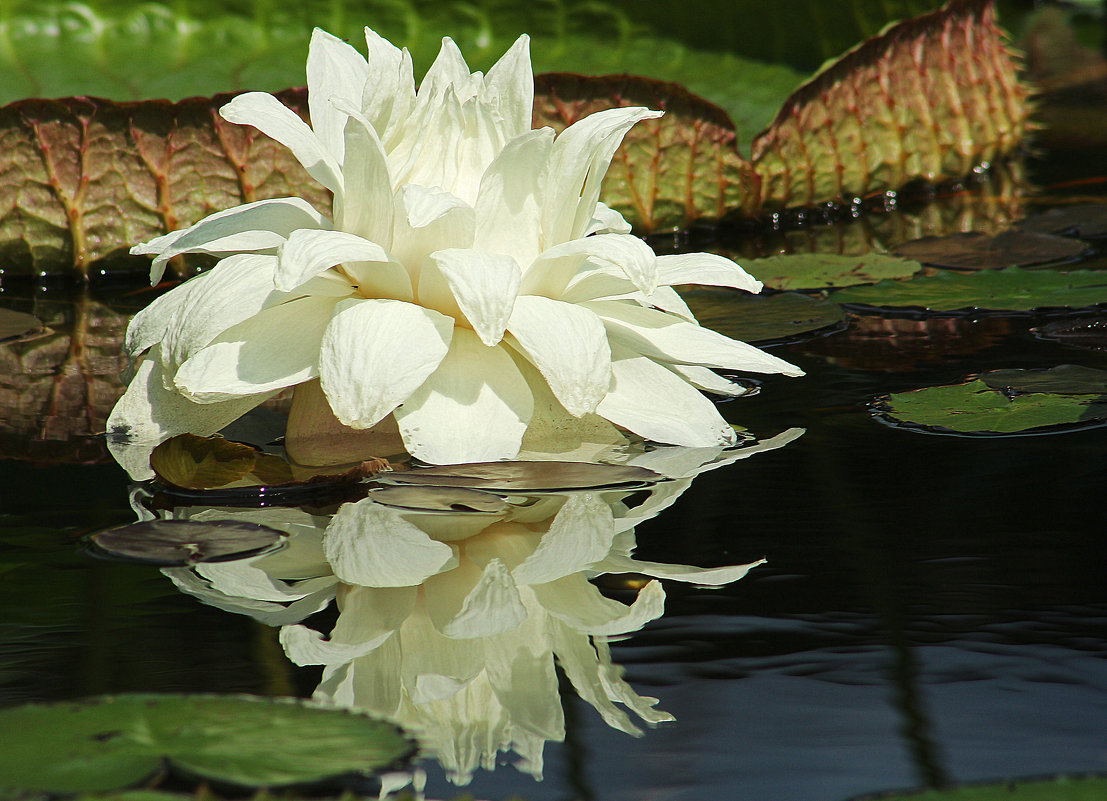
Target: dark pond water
x=933, y=609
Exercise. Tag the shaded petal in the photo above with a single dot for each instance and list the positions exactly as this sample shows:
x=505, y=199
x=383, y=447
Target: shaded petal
x=277, y=121
x=375, y=353
x=606, y=220
x=508, y=203
x=432, y=219
x=274, y=349
x=579, y=537
x=367, y=204
x=580, y=605
x=474, y=407
x=661, y=336
x=706, y=269
x=307, y=253
x=370, y=616
x=654, y=403
x=267, y=612
x=510, y=86
x=484, y=286
x=334, y=70
x=712, y=576
x=258, y=226
x=568, y=345
x=621, y=255
x=578, y=162
x=148, y=414
x=389, y=93
x=708, y=380
x=492, y=607
x=151, y=323
x=374, y=546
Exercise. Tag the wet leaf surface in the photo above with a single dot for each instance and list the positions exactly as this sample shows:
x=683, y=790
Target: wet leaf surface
x=1066, y=379
x=1090, y=333
x=114, y=742
x=1085, y=222
x=979, y=251
x=525, y=476
x=763, y=318
x=1013, y=289
x=977, y=408
x=826, y=270
x=17, y=325
x=439, y=499
x=187, y=542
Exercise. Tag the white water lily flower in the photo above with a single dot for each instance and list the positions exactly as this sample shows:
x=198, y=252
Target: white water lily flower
x=469, y=294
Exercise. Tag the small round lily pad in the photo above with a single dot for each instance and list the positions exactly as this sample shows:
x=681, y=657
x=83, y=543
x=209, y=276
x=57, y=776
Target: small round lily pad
x=980, y=251
x=187, y=542
x=523, y=476
x=116, y=742
x=825, y=270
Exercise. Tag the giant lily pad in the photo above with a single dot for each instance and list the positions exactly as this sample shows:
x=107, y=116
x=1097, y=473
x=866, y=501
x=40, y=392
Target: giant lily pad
x=1013, y=289
x=522, y=476
x=763, y=318
x=977, y=407
x=1063, y=788
x=824, y=270
x=109, y=743
x=980, y=251
x=186, y=542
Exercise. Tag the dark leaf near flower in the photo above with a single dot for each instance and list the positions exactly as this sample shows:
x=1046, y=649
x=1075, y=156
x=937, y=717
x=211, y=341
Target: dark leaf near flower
x=187, y=542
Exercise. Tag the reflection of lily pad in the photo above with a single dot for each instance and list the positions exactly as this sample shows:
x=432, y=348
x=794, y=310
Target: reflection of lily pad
x=1065, y=379
x=823, y=270
x=114, y=742
x=439, y=499
x=186, y=542
x=979, y=251
x=16, y=325
x=1013, y=289
x=1063, y=788
x=526, y=476
x=1090, y=333
x=1085, y=221
x=976, y=408
x=762, y=318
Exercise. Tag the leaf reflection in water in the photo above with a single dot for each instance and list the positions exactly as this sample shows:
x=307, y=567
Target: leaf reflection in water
x=450, y=622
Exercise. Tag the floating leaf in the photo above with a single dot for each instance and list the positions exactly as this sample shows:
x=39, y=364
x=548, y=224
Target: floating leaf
x=824, y=270
x=763, y=318
x=187, y=542
x=978, y=251
x=199, y=463
x=17, y=325
x=1065, y=379
x=1062, y=788
x=439, y=499
x=929, y=98
x=1086, y=221
x=108, y=743
x=1085, y=333
x=524, y=476
x=1013, y=289
x=977, y=408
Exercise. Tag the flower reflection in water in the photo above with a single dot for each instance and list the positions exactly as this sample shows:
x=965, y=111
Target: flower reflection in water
x=451, y=622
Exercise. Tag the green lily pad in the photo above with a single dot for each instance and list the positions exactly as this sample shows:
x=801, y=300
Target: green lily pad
x=187, y=542
x=763, y=318
x=1065, y=379
x=1090, y=333
x=979, y=251
x=1063, y=788
x=525, y=476
x=109, y=743
x=1088, y=221
x=1013, y=289
x=826, y=270
x=977, y=408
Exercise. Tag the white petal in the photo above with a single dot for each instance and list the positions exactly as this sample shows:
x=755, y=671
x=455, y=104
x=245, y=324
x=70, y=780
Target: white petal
x=492, y=607
x=148, y=414
x=579, y=537
x=259, y=226
x=508, y=203
x=308, y=253
x=580, y=605
x=274, y=349
x=712, y=576
x=267, y=612
x=432, y=219
x=473, y=408
x=334, y=70
x=621, y=255
x=369, y=617
x=706, y=269
x=510, y=85
x=367, y=203
x=449, y=68
x=578, y=163
x=605, y=220
x=150, y=324
x=484, y=286
x=277, y=121
x=389, y=92
x=654, y=403
x=708, y=380
x=375, y=353
x=568, y=345
x=374, y=546
x=661, y=336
